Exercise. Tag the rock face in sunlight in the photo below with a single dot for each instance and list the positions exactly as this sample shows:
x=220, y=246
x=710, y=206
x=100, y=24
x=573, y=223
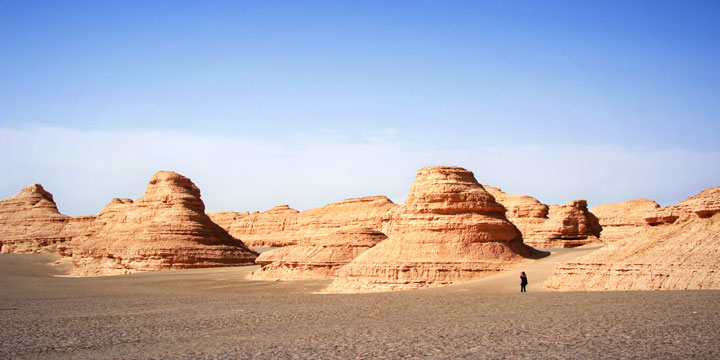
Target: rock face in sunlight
x=282, y=225
x=678, y=249
x=164, y=229
x=273, y=227
x=316, y=257
x=554, y=226
x=449, y=230
x=31, y=223
x=624, y=219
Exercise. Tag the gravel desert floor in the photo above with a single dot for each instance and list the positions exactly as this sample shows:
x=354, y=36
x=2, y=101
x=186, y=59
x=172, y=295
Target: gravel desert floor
x=217, y=313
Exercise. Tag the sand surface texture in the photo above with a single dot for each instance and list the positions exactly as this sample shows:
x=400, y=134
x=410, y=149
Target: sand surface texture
x=218, y=313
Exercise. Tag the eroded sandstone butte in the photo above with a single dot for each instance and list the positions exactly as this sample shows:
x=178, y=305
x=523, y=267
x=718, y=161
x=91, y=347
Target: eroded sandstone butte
x=316, y=257
x=31, y=223
x=554, y=226
x=282, y=225
x=678, y=249
x=450, y=229
x=166, y=228
x=624, y=219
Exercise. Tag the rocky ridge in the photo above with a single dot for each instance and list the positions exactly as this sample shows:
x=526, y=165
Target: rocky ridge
x=316, y=257
x=283, y=226
x=624, y=219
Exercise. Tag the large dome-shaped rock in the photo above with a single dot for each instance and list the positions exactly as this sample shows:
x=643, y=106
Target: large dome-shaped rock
x=316, y=257
x=450, y=229
x=665, y=255
x=31, y=223
x=554, y=226
x=164, y=229
x=624, y=219
x=282, y=225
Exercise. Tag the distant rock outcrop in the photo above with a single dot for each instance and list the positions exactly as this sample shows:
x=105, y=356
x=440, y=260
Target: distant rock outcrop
x=554, y=226
x=282, y=225
x=31, y=223
x=316, y=257
x=449, y=230
x=624, y=219
x=164, y=229
x=704, y=205
x=678, y=250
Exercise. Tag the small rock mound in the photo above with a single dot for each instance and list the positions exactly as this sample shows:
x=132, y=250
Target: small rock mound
x=449, y=230
x=164, y=229
x=31, y=223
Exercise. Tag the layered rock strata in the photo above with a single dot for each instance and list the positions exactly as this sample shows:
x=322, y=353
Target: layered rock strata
x=624, y=219
x=282, y=225
x=450, y=229
x=703, y=205
x=164, y=229
x=677, y=250
x=316, y=257
x=31, y=223
x=554, y=226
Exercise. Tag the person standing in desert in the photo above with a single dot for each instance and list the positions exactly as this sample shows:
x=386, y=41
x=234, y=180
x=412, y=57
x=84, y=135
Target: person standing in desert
x=523, y=281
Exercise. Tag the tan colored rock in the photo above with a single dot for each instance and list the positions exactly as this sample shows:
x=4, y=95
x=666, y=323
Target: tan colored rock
x=282, y=225
x=31, y=223
x=316, y=257
x=450, y=229
x=164, y=229
x=274, y=227
x=678, y=255
x=77, y=227
x=226, y=218
x=554, y=226
x=624, y=219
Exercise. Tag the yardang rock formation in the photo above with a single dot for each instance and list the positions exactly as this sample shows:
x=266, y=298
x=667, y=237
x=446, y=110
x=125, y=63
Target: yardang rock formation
x=678, y=249
x=31, y=223
x=554, y=226
x=450, y=229
x=164, y=229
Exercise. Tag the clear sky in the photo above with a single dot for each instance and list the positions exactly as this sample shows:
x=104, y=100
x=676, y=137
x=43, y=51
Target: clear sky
x=305, y=103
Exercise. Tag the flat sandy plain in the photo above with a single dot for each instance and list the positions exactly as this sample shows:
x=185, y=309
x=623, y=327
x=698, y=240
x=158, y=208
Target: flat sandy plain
x=217, y=313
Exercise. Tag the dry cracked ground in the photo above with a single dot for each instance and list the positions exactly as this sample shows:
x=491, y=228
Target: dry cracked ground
x=218, y=314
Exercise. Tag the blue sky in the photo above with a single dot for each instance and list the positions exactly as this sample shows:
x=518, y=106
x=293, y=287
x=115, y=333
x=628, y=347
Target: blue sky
x=267, y=102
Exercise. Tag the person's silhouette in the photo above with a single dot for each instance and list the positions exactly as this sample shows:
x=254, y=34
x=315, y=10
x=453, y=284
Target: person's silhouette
x=523, y=282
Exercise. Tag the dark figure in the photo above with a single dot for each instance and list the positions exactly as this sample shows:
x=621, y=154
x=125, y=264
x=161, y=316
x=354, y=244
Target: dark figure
x=523, y=282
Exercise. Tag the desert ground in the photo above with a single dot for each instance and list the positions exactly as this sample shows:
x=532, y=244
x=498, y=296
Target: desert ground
x=218, y=313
